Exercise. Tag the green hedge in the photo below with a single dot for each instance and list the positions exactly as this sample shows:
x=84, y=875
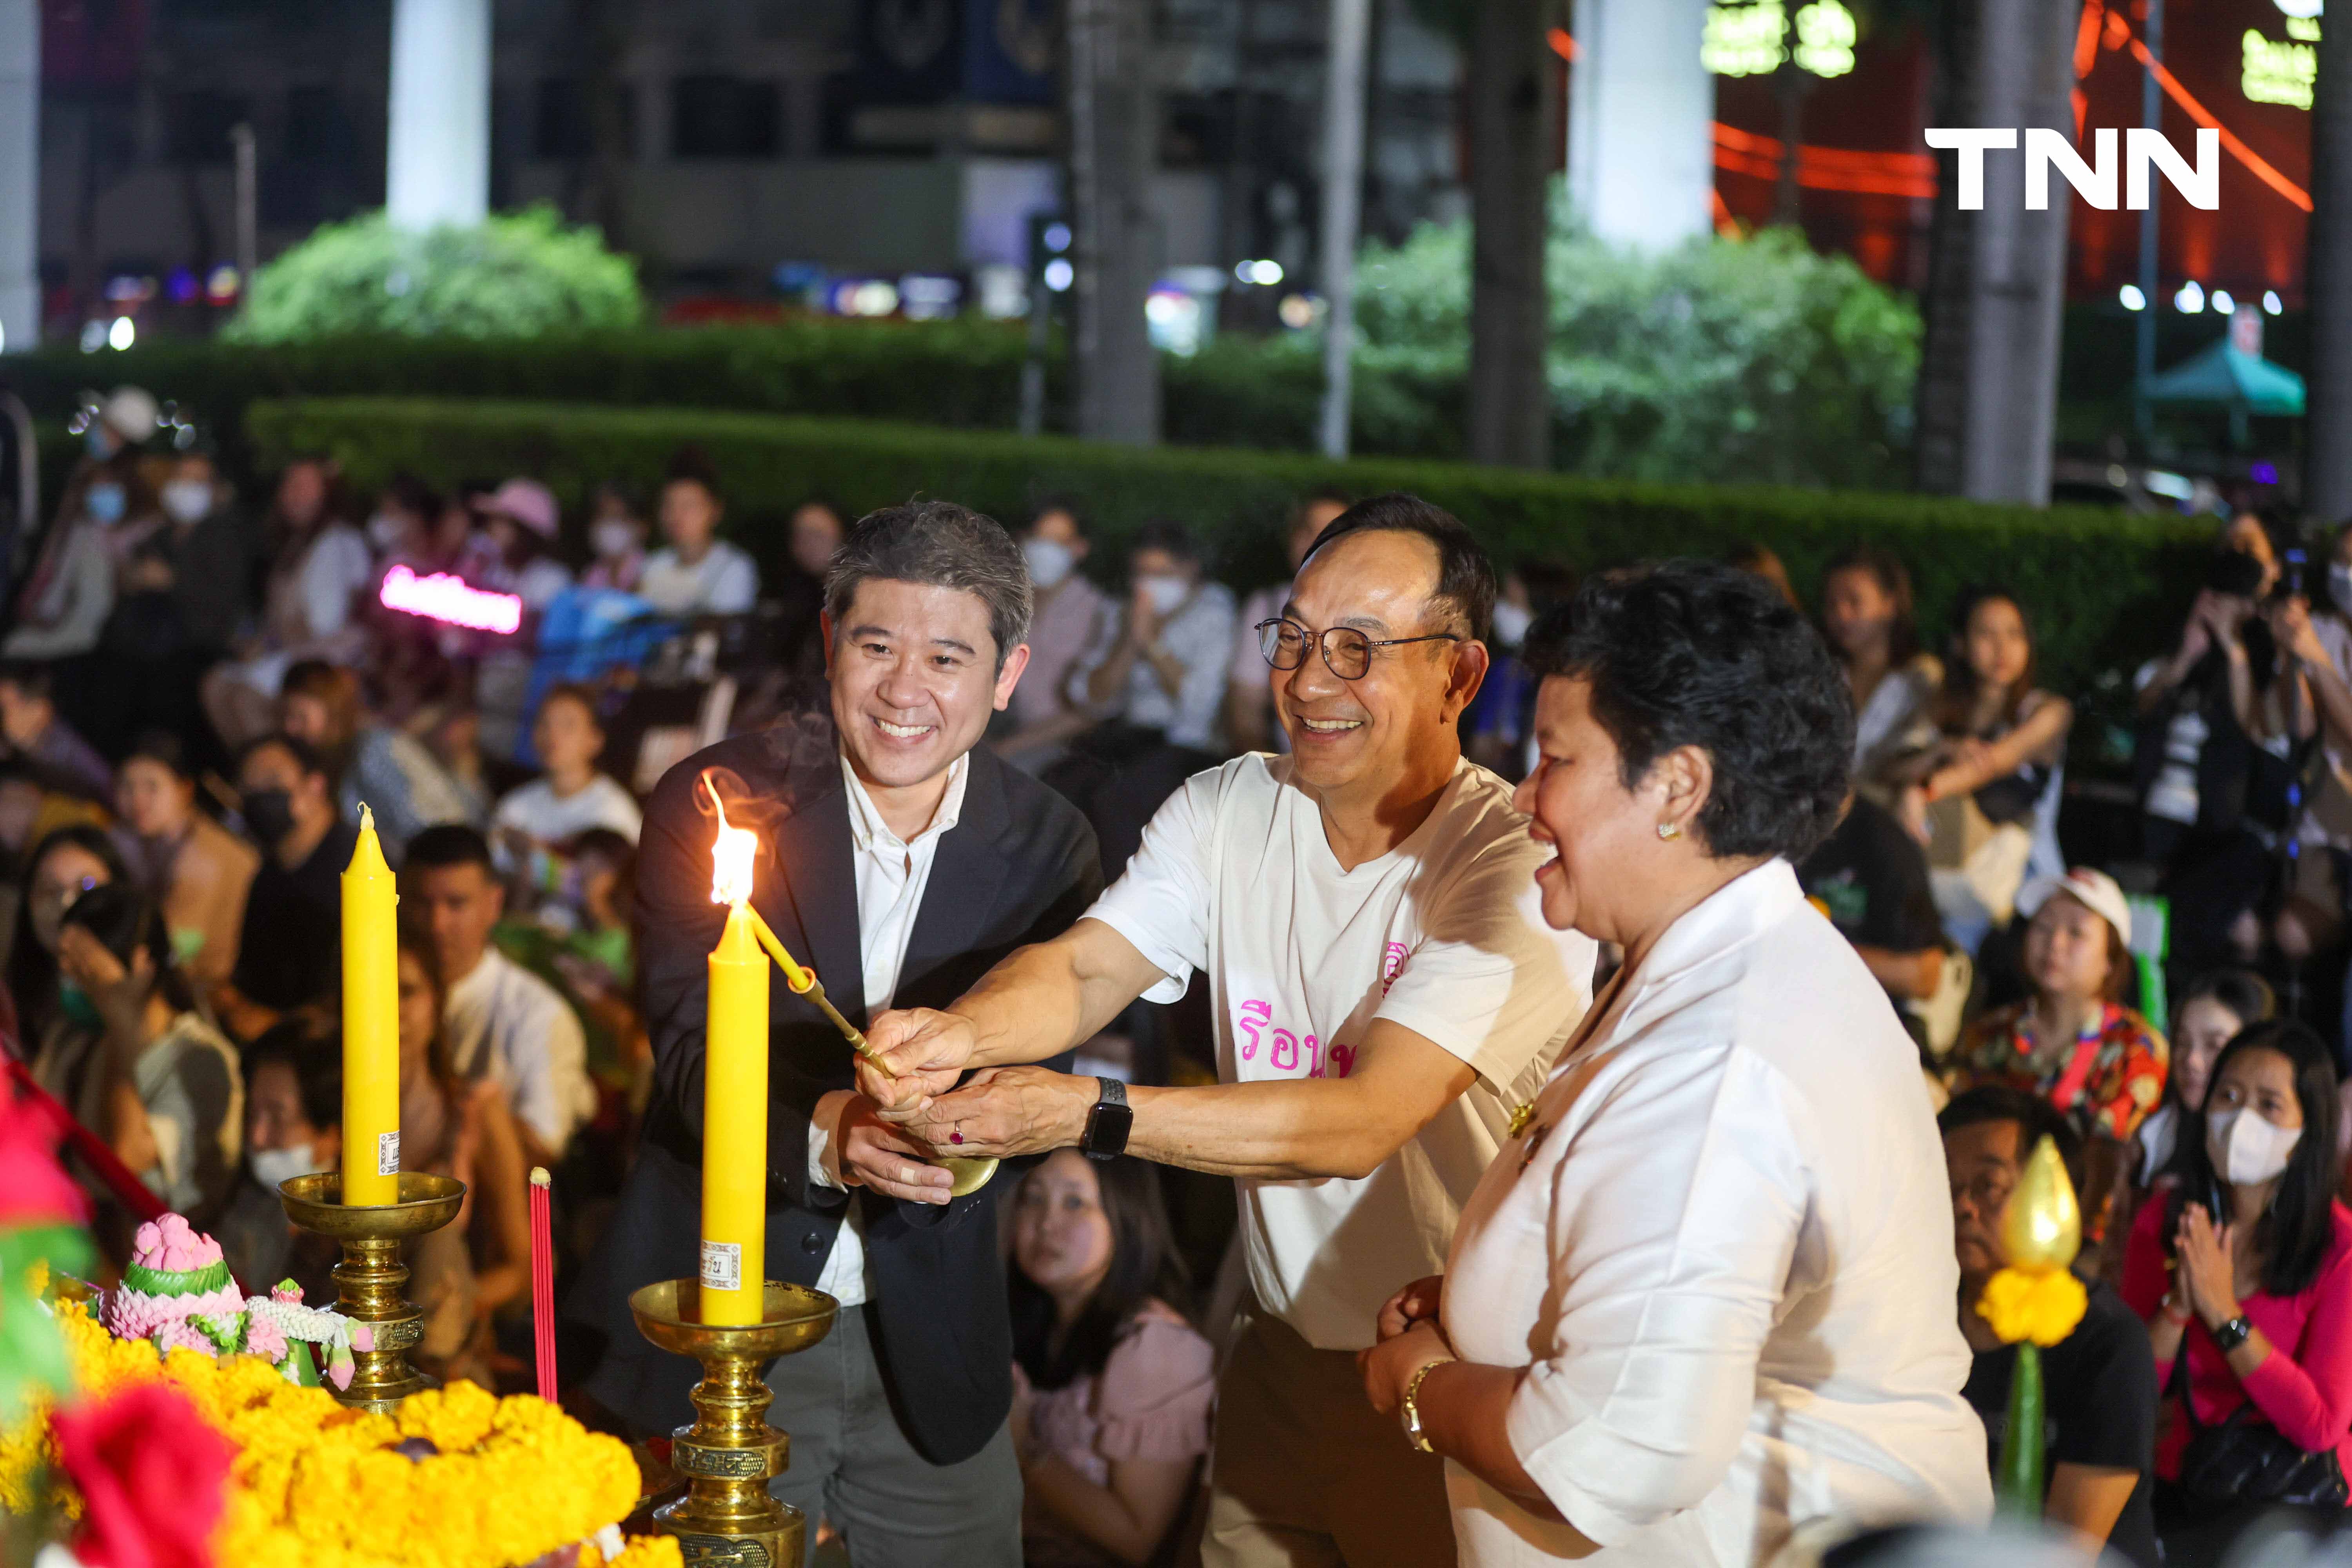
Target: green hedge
x=2105, y=589
x=965, y=372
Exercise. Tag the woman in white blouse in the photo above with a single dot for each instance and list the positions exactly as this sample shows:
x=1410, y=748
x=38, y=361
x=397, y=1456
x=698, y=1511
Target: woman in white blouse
x=1704, y=1296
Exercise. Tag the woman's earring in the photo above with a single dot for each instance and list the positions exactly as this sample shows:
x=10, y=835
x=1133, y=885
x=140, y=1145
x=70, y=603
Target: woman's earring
x=1669, y=830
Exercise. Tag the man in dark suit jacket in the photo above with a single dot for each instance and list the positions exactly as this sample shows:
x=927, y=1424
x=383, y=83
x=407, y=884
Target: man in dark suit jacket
x=895, y=858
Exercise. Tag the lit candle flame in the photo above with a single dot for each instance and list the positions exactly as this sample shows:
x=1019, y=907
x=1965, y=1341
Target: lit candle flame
x=732, y=853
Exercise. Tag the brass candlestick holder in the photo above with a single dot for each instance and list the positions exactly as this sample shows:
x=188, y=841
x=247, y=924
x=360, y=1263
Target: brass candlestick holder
x=368, y=1280
x=730, y=1452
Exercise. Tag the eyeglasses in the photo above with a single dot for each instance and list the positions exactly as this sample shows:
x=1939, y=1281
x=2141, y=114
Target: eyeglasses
x=1347, y=651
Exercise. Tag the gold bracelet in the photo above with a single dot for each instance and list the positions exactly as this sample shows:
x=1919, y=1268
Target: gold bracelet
x=1411, y=1412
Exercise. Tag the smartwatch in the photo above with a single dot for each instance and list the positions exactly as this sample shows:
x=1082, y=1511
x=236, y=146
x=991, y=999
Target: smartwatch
x=2232, y=1334
x=1110, y=1122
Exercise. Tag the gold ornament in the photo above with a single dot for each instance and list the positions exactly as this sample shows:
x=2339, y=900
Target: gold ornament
x=2042, y=1228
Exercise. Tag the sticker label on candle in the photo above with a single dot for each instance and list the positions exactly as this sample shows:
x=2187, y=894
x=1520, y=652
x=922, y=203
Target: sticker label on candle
x=387, y=1153
x=722, y=1266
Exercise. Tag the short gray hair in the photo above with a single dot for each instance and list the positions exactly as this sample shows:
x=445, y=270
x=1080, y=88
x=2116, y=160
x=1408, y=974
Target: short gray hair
x=942, y=545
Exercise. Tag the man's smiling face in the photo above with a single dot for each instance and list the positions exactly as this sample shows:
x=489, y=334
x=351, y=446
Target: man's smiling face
x=915, y=677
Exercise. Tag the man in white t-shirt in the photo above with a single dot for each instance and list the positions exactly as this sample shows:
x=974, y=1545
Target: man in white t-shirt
x=698, y=573
x=1386, y=994
x=570, y=796
x=503, y=1022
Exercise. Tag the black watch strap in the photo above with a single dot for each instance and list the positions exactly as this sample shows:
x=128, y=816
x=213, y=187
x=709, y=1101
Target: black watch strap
x=1109, y=1124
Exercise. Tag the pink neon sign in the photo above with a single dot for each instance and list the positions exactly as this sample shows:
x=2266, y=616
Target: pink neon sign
x=448, y=599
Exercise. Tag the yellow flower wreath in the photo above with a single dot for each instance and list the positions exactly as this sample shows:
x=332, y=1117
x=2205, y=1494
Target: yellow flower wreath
x=2041, y=1305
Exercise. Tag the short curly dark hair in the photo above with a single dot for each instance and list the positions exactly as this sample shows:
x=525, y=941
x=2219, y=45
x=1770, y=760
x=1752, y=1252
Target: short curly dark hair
x=1693, y=653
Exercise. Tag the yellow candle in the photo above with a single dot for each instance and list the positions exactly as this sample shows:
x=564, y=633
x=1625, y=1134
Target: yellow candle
x=735, y=1127
x=371, y=1024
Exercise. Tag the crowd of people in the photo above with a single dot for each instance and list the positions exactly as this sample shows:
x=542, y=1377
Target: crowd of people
x=1264, y=793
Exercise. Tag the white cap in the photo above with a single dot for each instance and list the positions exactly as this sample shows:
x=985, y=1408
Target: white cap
x=2094, y=890
x=130, y=412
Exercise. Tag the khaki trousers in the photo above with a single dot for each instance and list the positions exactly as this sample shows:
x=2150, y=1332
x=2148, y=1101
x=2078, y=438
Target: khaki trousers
x=1306, y=1475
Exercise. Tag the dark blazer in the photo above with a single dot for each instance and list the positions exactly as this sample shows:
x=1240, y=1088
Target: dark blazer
x=1019, y=867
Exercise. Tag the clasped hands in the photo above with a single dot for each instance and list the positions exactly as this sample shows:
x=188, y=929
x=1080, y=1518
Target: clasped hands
x=915, y=1111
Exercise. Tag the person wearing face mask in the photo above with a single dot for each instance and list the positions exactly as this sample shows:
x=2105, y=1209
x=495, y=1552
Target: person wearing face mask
x=2073, y=1042
x=1072, y=615
x=182, y=591
x=289, y=948
x=1496, y=728
x=293, y=1127
x=616, y=538
x=63, y=598
x=165, y=1090
x=2242, y=1272
x=1161, y=672
x=54, y=1020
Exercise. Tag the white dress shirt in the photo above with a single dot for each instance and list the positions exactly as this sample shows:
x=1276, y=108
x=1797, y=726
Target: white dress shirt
x=892, y=873
x=1722, y=1247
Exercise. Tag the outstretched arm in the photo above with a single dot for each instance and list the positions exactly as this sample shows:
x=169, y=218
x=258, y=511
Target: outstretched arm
x=1276, y=1129
x=1040, y=1001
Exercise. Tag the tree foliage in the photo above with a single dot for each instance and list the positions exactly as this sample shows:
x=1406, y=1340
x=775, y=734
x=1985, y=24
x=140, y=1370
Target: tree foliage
x=515, y=275
x=1722, y=360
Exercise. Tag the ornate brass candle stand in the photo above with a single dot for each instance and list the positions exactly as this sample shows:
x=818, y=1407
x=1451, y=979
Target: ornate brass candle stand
x=368, y=1280
x=730, y=1452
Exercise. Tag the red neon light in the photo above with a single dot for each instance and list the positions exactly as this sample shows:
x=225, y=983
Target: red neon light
x=1827, y=168
x=2204, y=117
x=447, y=599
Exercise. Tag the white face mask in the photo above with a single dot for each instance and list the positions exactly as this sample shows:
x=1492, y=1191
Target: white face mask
x=2248, y=1149
x=187, y=500
x=1049, y=562
x=612, y=537
x=1511, y=622
x=386, y=531
x=272, y=1166
x=2339, y=587
x=1165, y=593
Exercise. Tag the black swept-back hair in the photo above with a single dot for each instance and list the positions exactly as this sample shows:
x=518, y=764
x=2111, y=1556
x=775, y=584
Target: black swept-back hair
x=1696, y=653
x=1465, y=577
x=1144, y=1263
x=2296, y=1227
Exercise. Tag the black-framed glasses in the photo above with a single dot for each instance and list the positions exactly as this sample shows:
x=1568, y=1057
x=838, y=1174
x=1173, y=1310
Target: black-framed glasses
x=1347, y=651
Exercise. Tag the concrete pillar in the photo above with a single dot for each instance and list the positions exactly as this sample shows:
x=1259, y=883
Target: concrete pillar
x=1114, y=141
x=1641, y=157
x=437, y=155
x=1343, y=189
x=20, y=173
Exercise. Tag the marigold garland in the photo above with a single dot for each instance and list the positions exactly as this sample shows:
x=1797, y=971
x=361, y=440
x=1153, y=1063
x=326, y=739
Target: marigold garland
x=319, y=1486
